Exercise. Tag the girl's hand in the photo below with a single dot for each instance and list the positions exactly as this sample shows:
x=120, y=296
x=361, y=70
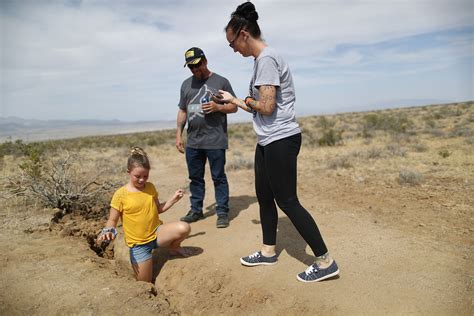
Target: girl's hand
x=107, y=237
x=226, y=96
x=107, y=234
x=178, y=195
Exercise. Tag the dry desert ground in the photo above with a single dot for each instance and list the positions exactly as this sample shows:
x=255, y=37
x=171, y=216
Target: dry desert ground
x=392, y=192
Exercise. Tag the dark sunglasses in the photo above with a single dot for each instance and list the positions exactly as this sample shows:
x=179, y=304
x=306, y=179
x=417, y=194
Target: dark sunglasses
x=231, y=44
x=192, y=66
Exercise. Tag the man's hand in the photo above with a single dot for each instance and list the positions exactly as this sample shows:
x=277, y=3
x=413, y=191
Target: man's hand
x=180, y=144
x=180, y=123
x=210, y=107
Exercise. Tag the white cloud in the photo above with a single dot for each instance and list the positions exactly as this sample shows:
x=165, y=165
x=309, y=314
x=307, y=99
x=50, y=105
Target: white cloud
x=113, y=57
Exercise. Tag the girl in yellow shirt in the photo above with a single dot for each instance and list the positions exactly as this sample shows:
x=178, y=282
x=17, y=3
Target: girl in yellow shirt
x=137, y=205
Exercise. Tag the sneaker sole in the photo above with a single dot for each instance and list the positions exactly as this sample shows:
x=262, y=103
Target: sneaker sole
x=248, y=264
x=222, y=226
x=320, y=279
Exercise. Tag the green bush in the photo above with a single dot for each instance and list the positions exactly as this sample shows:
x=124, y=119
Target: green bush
x=444, y=153
x=325, y=123
x=394, y=123
x=331, y=137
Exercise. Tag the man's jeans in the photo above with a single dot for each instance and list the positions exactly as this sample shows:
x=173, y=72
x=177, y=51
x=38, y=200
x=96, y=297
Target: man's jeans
x=196, y=161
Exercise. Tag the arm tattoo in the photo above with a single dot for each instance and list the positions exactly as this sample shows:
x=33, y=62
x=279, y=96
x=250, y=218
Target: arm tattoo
x=267, y=100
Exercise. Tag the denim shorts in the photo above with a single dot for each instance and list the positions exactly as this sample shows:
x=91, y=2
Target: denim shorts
x=141, y=253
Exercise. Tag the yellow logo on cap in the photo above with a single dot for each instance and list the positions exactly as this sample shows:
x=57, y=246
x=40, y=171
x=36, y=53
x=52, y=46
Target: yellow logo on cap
x=189, y=54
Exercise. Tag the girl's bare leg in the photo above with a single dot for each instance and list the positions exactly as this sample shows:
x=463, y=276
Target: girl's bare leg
x=172, y=234
x=143, y=270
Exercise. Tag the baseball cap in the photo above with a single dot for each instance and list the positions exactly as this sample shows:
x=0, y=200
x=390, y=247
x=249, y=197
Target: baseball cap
x=193, y=56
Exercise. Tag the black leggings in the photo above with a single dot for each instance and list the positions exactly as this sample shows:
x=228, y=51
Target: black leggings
x=275, y=180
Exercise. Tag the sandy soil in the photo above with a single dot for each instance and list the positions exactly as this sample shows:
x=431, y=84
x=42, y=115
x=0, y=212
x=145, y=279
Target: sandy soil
x=401, y=249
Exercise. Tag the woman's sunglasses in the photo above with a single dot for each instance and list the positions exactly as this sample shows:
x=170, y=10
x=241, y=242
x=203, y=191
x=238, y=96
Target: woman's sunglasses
x=231, y=44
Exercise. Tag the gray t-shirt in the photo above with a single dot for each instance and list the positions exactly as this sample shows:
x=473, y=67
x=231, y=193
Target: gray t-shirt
x=205, y=131
x=270, y=69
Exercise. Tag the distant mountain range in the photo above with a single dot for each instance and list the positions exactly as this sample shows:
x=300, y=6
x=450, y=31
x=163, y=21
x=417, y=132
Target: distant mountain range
x=13, y=128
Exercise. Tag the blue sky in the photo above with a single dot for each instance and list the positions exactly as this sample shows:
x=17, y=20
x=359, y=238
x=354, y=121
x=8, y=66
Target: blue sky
x=124, y=59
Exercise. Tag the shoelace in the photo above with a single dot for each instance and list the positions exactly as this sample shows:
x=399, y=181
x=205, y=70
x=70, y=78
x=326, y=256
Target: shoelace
x=254, y=255
x=312, y=268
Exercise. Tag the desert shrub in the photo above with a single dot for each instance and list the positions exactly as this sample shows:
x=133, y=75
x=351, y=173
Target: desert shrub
x=436, y=132
x=374, y=153
x=460, y=131
x=394, y=123
x=340, y=162
x=325, y=123
x=18, y=148
x=420, y=147
x=309, y=136
x=430, y=122
x=466, y=105
x=330, y=137
x=60, y=182
x=367, y=133
x=367, y=141
x=144, y=139
x=152, y=142
x=409, y=177
x=239, y=162
x=449, y=111
x=358, y=154
x=396, y=150
x=12, y=148
x=444, y=153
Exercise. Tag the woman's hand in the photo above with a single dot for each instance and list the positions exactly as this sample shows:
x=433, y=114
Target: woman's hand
x=226, y=96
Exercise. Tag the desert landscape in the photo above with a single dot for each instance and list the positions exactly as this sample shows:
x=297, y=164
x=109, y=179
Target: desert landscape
x=392, y=192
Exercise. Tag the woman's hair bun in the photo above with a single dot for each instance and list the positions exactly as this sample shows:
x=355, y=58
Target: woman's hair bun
x=247, y=11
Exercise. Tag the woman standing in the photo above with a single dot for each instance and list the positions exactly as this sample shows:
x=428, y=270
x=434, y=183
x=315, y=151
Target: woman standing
x=271, y=100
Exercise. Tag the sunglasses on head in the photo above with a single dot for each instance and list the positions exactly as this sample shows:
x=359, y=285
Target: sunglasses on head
x=192, y=66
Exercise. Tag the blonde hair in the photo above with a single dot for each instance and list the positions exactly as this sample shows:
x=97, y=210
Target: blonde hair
x=138, y=158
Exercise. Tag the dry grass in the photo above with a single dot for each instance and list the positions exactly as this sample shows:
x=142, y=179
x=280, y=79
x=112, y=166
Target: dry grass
x=390, y=148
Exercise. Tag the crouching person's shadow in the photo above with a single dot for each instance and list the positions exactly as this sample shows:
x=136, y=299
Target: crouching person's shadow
x=162, y=255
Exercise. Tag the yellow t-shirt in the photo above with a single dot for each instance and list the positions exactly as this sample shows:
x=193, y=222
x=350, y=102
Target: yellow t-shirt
x=139, y=214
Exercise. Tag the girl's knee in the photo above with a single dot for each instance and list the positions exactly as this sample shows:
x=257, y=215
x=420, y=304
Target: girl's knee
x=183, y=228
